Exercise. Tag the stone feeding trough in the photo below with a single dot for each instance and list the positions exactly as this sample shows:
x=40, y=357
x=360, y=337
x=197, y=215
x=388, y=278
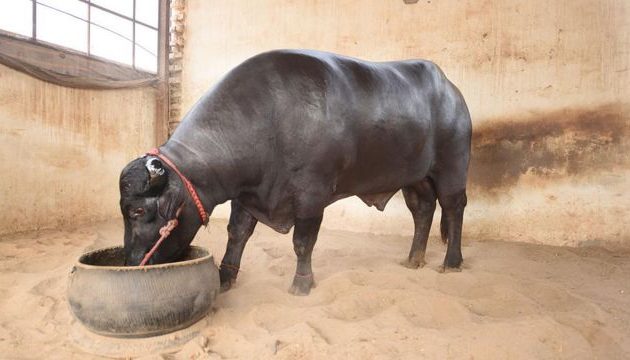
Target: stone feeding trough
x=132, y=302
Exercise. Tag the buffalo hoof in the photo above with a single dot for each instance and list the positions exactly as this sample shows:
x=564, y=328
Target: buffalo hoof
x=302, y=285
x=228, y=278
x=413, y=263
x=451, y=265
x=446, y=269
x=227, y=285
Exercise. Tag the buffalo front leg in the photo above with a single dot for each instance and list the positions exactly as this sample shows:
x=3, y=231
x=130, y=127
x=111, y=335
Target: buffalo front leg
x=304, y=238
x=420, y=200
x=240, y=228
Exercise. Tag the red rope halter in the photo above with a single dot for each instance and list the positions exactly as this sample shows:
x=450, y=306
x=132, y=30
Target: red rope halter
x=165, y=230
x=189, y=186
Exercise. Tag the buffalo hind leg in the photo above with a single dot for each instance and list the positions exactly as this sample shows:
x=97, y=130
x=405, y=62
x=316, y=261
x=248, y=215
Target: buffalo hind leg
x=240, y=228
x=451, y=227
x=420, y=199
x=304, y=238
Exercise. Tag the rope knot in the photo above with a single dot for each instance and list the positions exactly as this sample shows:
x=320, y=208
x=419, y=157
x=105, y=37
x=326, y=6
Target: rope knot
x=165, y=230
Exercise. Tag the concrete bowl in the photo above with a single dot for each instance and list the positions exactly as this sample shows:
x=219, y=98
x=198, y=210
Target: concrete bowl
x=141, y=301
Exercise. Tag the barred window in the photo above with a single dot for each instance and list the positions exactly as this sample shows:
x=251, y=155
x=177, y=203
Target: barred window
x=122, y=31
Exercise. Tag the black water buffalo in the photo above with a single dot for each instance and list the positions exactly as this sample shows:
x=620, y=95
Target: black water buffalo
x=287, y=133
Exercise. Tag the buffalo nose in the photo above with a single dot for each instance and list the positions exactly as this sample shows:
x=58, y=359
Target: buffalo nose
x=134, y=258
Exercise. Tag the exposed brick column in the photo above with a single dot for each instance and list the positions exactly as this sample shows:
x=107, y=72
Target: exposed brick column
x=175, y=57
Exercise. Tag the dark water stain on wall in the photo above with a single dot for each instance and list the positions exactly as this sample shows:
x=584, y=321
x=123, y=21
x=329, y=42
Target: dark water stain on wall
x=567, y=142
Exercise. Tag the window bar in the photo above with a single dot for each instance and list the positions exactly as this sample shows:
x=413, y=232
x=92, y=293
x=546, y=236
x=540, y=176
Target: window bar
x=133, y=37
x=162, y=102
x=163, y=33
x=96, y=6
x=34, y=19
x=89, y=26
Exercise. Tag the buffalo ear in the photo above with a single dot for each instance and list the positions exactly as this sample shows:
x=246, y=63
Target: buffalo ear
x=157, y=174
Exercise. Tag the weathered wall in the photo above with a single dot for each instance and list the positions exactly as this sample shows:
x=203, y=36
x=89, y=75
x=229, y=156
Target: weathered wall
x=62, y=149
x=547, y=83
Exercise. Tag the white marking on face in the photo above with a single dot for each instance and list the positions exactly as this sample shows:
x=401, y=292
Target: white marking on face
x=153, y=169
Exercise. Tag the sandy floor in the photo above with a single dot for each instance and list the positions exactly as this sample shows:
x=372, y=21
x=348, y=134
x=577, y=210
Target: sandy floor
x=512, y=301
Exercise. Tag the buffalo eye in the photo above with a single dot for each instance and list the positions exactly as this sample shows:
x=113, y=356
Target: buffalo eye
x=136, y=213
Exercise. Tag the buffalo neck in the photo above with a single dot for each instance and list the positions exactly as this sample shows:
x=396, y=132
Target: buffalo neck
x=217, y=147
x=205, y=169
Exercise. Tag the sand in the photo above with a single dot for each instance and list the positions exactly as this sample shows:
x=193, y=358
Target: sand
x=511, y=301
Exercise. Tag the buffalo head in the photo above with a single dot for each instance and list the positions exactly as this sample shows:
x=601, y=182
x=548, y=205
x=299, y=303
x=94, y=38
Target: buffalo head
x=150, y=195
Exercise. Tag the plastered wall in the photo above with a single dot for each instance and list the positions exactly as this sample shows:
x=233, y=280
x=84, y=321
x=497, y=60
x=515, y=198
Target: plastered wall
x=62, y=149
x=547, y=83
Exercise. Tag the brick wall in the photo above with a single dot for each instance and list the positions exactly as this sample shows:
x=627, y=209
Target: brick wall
x=175, y=56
